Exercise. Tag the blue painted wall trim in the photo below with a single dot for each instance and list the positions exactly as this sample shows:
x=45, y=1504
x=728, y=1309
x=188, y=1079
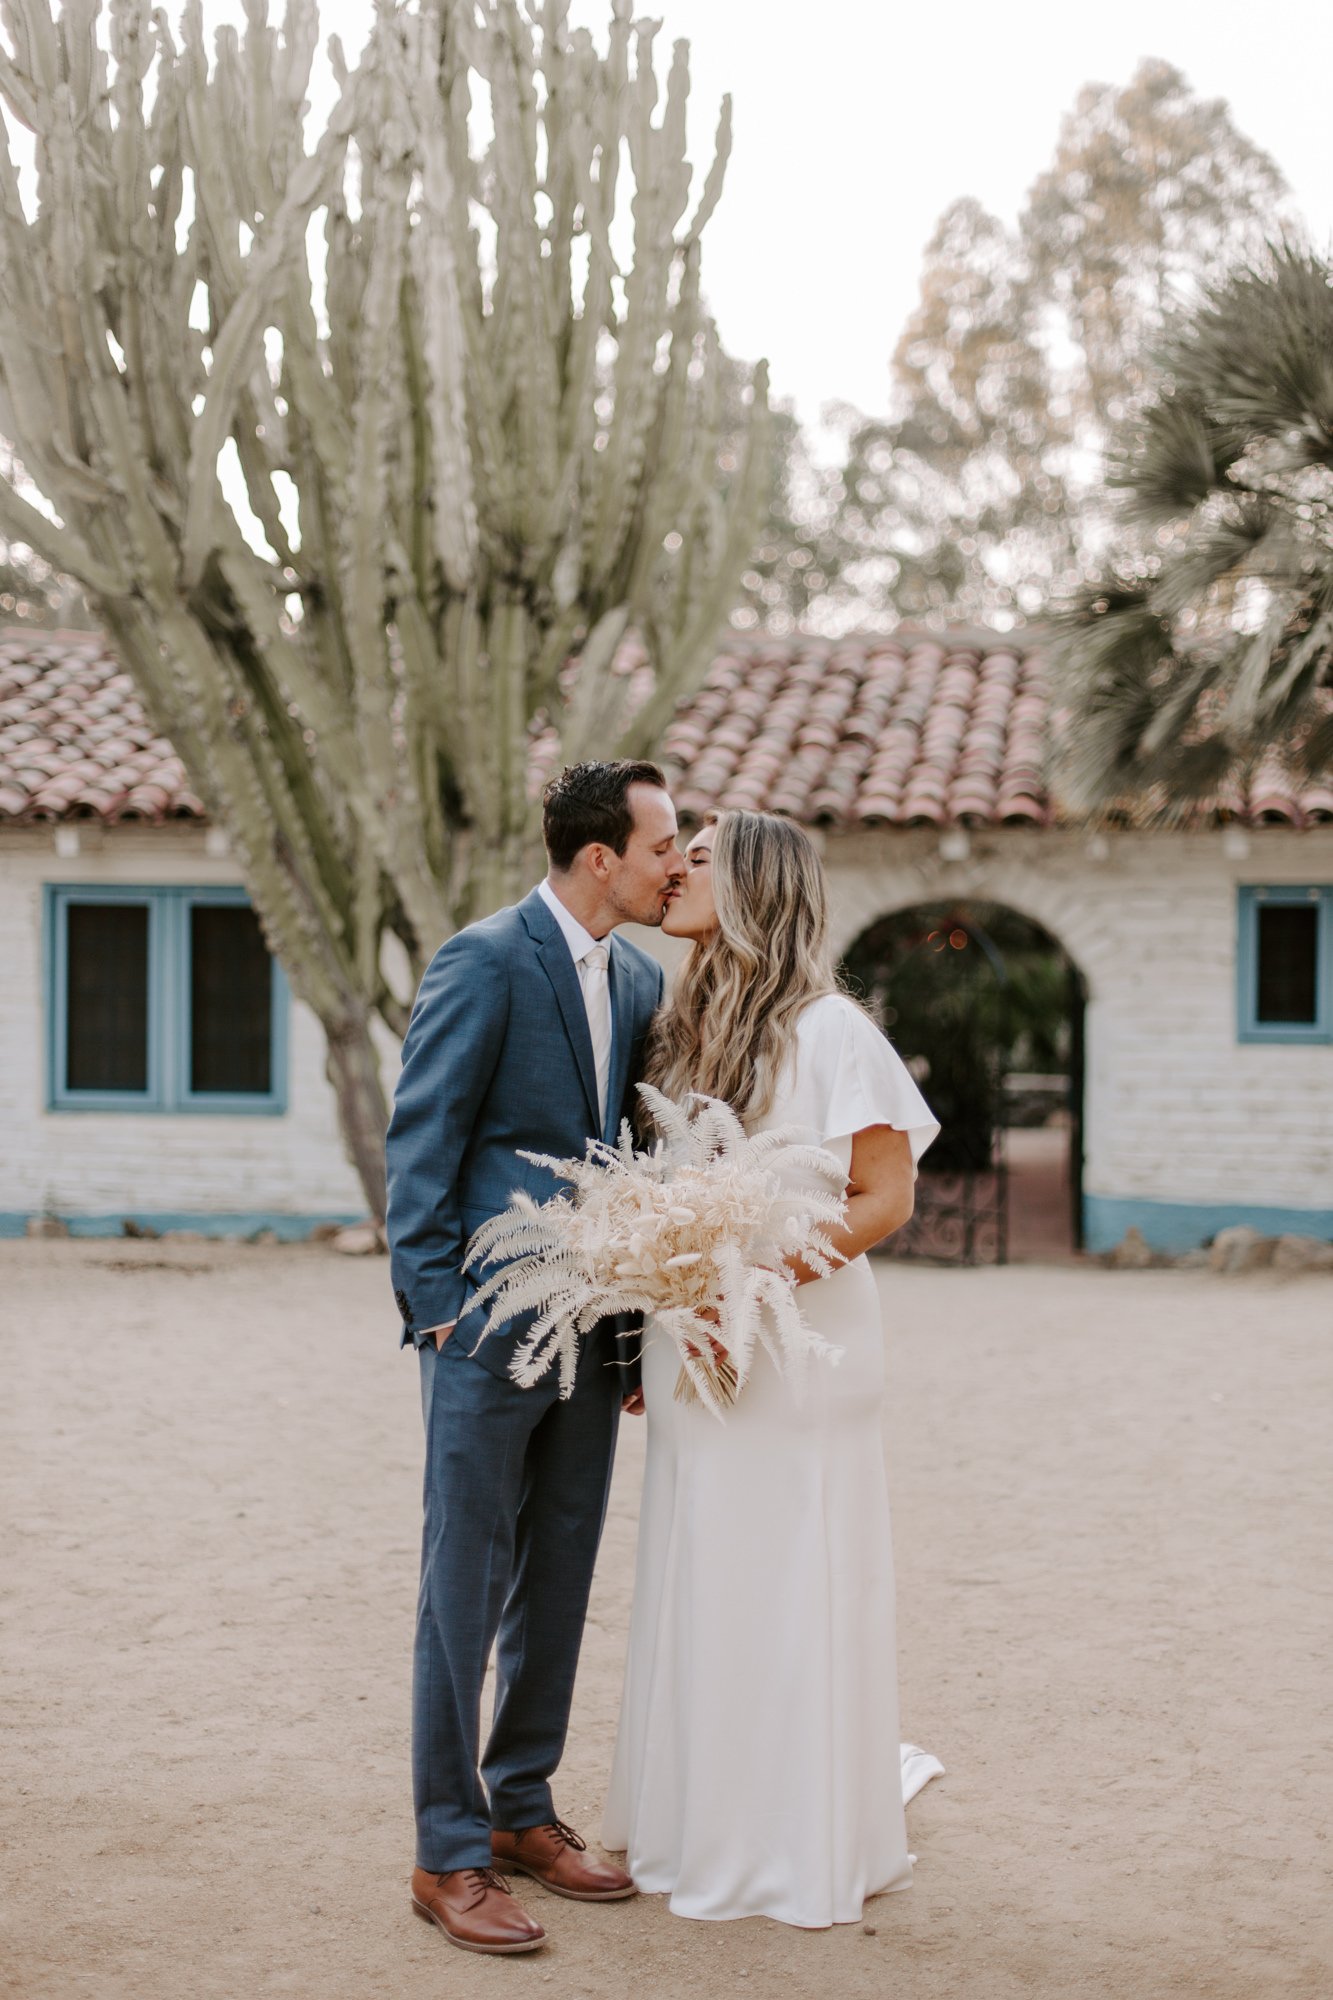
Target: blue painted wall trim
x=1185, y=1225
x=288, y=1228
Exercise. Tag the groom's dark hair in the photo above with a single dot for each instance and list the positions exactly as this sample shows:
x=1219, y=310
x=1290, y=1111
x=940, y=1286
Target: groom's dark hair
x=591, y=802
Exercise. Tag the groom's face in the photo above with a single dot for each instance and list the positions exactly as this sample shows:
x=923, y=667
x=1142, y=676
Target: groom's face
x=642, y=879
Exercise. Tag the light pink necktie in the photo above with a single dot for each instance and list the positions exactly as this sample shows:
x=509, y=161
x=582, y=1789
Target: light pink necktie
x=597, y=1001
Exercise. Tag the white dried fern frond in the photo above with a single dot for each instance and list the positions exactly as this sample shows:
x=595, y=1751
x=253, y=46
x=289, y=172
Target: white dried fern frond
x=697, y=1232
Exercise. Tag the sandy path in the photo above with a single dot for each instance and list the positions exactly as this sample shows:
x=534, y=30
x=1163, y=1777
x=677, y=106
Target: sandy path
x=1113, y=1518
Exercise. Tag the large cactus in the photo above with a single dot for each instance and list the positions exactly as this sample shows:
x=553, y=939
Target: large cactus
x=492, y=449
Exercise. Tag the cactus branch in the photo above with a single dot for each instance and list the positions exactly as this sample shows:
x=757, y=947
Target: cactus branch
x=366, y=450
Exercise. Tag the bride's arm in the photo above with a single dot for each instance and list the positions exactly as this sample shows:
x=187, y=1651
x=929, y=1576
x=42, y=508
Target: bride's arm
x=880, y=1196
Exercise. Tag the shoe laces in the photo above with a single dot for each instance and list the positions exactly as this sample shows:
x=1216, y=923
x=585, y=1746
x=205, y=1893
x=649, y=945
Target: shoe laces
x=567, y=1836
x=482, y=1879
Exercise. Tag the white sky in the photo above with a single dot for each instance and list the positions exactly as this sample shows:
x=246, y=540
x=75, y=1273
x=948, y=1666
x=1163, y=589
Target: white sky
x=858, y=121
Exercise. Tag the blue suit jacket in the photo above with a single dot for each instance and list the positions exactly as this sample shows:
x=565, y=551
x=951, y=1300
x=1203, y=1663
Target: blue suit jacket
x=497, y=1057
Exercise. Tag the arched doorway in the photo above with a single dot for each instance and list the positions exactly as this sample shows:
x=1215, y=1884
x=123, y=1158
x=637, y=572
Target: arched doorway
x=986, y=1008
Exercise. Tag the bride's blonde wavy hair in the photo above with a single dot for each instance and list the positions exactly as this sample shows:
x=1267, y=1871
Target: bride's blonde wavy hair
x=730, y=1023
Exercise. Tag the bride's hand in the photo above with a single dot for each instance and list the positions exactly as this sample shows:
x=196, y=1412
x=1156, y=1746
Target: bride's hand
x=719, y=1351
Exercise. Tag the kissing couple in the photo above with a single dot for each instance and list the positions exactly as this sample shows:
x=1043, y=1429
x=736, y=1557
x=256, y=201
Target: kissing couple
x=757, y=1768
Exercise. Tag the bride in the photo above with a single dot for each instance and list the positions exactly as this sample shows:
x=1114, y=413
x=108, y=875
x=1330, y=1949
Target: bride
x=757, y=1770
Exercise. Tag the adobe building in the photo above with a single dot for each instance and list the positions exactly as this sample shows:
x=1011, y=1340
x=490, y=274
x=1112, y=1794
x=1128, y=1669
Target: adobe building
x=155, y=1069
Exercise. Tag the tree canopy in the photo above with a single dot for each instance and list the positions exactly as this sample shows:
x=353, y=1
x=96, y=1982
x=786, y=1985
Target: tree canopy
x=980, y=496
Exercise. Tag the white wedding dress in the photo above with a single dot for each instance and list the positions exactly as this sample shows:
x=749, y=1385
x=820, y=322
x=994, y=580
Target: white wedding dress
x=758, y=1770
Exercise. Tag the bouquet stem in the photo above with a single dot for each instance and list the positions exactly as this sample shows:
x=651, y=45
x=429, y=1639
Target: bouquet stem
x=722, y=1377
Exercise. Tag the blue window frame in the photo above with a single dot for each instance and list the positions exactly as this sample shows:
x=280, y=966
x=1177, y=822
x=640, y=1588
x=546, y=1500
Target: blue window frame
x=162, y=1000
x=1284, y=964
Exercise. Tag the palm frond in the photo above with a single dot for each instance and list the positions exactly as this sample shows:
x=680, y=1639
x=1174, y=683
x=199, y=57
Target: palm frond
x=1256, y=351
x=1216, y=646
x=1175, y=457
x=1314, y=753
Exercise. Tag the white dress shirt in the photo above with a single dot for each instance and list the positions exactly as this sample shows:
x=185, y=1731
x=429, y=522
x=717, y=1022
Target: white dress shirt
x=579, y=940
x=594, y=987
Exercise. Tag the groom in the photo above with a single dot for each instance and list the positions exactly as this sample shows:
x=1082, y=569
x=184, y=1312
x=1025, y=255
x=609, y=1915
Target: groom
x=527, y=1033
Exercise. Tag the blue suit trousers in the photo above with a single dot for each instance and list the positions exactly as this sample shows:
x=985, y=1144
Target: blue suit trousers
x=516, y=1486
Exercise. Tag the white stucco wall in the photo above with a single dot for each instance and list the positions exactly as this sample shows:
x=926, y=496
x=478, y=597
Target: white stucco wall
x=1177, y=1110
x=1179, y=1115
x=81, y=1164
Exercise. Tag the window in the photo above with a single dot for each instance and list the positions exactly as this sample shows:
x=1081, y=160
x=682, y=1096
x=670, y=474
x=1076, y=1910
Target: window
x=1285, y=964
x=231, y=1010
x=106, y=996
x=163, y=1000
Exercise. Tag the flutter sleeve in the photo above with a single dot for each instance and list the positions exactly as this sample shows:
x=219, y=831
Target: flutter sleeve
x=867, y=1083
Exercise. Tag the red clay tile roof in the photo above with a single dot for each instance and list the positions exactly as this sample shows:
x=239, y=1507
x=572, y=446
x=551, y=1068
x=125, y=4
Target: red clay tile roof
x=935, y=729
x=74, y=740
x=916, y=728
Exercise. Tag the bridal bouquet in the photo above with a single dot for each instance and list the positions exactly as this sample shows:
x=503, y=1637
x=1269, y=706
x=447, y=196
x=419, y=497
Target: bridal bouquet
x=695, y=1232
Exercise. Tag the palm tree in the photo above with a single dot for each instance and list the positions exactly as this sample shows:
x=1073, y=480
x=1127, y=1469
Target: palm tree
x=1213, y=645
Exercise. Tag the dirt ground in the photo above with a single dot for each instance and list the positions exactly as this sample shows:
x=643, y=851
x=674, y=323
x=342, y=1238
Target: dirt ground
x=1113, y=1517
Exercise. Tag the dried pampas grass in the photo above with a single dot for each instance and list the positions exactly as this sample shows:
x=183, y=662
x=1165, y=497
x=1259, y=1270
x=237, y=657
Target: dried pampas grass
x=696, y=1233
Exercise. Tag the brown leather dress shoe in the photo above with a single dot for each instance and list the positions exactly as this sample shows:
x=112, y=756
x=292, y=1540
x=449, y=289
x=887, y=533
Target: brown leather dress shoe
x=476, y=1909
x=555, y=1856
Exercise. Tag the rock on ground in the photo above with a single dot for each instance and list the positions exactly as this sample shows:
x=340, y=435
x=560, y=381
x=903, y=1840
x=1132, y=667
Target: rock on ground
x=1302, y=1253
x=362, y=1239
x=1241, y=1249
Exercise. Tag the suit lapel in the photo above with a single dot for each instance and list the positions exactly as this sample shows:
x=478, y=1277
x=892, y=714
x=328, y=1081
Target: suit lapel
x=622, y=1035
x=559, y=967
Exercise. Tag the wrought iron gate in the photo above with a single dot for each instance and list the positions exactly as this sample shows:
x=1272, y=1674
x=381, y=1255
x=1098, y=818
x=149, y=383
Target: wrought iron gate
x=937, y=975
x=960, y=1217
